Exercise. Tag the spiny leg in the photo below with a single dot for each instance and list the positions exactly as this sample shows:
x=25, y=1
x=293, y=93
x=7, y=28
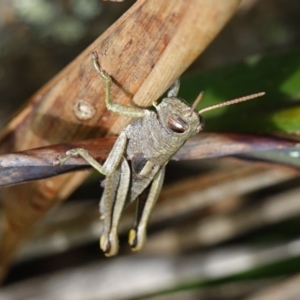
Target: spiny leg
x=105, y=77
x=123, y=110
x=116, y=189
x=137, y=235
x=111, y=163
x=60, y=160
x=112, y=202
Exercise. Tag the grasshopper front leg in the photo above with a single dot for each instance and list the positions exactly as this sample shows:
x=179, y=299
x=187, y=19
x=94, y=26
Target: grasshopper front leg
x=123, y=110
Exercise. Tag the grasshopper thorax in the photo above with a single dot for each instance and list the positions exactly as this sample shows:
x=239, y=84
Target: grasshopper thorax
x=178, y=118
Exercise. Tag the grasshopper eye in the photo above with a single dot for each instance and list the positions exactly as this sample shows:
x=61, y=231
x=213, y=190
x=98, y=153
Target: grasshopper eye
x=177, y=124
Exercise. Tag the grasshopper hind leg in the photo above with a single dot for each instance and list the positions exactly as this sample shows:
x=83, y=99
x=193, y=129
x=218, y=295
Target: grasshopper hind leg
x=146, y=202
x=111, y=206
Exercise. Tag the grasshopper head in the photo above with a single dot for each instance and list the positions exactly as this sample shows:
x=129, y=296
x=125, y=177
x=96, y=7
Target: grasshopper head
x=178, y=117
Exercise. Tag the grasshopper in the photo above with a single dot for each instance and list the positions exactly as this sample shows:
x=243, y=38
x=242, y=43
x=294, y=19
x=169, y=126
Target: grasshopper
x=135, y=167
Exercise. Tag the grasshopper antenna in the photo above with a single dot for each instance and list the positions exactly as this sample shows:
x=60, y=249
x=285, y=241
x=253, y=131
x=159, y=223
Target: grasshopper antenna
x=230, y=102
x=196, y=102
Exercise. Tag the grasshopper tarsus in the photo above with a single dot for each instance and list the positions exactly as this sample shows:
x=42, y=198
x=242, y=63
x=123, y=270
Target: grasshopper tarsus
x=97, y=66
x=109, y=244
x=94, y=55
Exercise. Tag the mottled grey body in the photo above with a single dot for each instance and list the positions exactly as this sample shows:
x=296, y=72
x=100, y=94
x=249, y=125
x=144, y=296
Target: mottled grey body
x=147, y=136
